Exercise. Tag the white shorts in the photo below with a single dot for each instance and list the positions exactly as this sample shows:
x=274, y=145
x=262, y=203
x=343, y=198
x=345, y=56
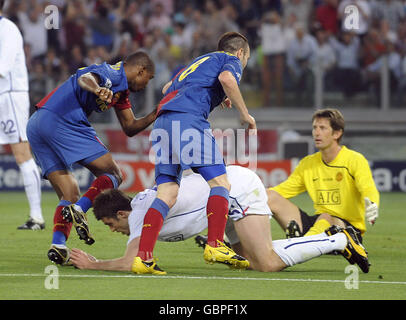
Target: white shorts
x=14, y=112
x=246, y=198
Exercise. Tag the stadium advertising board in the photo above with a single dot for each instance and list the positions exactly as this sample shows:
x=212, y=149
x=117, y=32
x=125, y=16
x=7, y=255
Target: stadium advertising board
x=138, y=175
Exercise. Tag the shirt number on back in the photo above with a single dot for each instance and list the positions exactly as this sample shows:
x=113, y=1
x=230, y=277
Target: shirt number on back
x=192, y=68
x=8, y=126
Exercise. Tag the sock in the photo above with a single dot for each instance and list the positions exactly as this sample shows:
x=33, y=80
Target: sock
x=217, y=214
x=61, y=228
x=297, y=250
x=32, y=186
x=106, y=181
x=319, y=227
x=153, y=222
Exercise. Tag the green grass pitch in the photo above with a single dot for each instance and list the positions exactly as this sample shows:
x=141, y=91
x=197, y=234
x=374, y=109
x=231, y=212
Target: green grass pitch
x=23, y=265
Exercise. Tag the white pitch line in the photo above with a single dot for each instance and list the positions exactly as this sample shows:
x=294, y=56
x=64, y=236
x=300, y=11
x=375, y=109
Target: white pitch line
x=193, y=278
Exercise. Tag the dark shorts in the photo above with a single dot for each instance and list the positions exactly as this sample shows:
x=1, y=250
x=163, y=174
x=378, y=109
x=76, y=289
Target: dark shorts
x=57, y=144
x=308, y=222
x=182, y=141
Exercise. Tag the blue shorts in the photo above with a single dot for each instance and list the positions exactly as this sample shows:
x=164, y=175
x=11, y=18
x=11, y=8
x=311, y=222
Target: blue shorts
x=182, y=141
x=57, y=144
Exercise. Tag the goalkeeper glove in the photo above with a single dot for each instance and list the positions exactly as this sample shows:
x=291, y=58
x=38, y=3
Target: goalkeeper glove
x=371, y=211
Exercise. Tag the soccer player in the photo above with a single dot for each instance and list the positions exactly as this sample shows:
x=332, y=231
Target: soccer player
x=182, y=129
x=248, y=228
x=337, y=179
x=61, y=135
x=14, y=113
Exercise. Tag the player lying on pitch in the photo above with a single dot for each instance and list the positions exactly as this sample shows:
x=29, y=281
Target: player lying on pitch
x=248, y=228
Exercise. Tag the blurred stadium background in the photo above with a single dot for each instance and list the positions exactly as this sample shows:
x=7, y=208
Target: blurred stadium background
x=302, y=58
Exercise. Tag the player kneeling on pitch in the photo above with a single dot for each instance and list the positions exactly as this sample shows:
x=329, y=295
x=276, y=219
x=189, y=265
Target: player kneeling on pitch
x=248, y=228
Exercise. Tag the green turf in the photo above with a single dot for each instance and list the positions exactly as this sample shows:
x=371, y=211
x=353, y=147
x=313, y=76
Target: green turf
x=23, y=261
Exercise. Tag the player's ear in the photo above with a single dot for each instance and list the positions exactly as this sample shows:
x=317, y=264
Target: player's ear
x=240, y=53
x=122, y=214
x=337, y=134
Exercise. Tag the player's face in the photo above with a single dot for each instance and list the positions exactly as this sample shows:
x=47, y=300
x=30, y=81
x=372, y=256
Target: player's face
x=138, y=79
x=323, y=134
x=117, y=225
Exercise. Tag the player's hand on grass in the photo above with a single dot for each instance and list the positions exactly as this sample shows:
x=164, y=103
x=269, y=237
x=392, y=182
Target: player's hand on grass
x=104, y=94
x=81, y=259
x=371, y=211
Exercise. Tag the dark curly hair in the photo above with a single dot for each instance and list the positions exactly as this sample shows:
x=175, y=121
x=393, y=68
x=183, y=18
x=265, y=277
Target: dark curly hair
x=108, y=202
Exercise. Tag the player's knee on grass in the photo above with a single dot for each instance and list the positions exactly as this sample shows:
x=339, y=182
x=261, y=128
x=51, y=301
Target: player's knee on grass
x=270, y=263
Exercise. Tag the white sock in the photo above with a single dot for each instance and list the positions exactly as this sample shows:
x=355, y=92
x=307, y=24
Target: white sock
x=32, y=186
x=297, y=250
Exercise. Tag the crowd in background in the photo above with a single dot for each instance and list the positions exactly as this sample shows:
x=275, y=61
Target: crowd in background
x=289, y=40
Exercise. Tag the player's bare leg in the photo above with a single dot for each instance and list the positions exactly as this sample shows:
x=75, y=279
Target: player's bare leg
x=284, y=213
x=271, y=256
x=257, y=245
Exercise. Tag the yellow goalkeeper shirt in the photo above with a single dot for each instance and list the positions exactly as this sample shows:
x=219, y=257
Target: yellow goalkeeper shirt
x=337, y=188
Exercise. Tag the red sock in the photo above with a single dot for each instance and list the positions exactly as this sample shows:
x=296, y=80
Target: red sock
x=101, y=183
x=98, y=185
x=60, y=224
x=217, y=214
x=153, y=222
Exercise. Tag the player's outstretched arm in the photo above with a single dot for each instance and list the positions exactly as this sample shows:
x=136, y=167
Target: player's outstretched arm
x=232, y=91
x=131, y=125
x=82, y=260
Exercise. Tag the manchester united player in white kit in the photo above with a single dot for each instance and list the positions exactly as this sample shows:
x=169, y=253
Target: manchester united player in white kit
x=248, y=227
x=14, y=113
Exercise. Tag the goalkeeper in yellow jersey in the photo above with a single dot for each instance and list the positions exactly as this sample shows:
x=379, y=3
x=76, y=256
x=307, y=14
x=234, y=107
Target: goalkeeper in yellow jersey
x=338, y=180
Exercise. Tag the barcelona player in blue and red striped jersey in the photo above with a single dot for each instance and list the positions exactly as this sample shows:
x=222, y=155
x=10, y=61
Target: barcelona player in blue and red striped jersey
x=60, y=135
x=182, y=139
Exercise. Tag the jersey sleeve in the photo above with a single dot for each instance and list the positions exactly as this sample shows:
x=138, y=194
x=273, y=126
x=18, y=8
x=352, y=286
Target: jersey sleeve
x=364, y=180
x=293, y=185
x=233, y=64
